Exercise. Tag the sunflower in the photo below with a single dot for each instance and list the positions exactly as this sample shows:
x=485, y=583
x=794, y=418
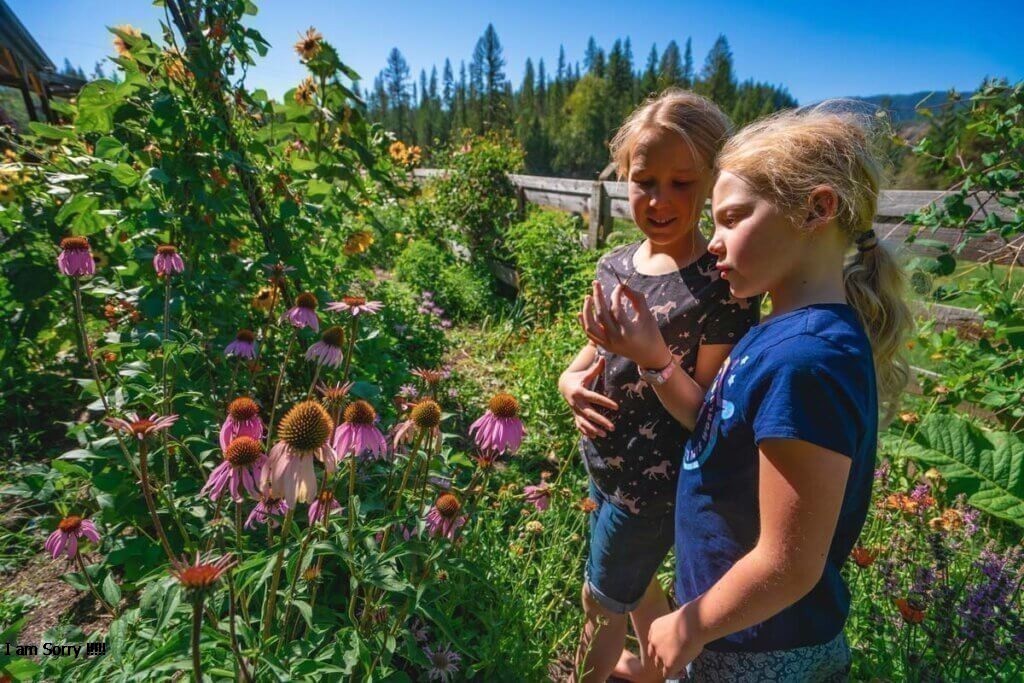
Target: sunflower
x=358, y=243
x=122, y=47
x=308, y=45
x=304, y=93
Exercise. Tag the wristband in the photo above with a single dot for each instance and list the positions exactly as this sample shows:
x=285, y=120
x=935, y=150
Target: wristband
x=657, y=377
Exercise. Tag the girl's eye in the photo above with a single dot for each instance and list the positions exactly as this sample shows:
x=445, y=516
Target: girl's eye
x=645, y=182
x=681, y=183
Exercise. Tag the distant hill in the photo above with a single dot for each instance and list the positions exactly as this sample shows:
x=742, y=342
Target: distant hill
x=903, y=108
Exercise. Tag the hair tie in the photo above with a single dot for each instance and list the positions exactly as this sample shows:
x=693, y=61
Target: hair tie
x=866, y=241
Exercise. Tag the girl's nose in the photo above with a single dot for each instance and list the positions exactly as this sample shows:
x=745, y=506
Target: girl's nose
x=717, y=245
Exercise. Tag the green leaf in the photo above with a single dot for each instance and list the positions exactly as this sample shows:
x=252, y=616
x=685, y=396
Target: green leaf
x=97, y=102
x=306, y=610
x=45, y=130
x=125, y=175
x=108, y=148
x=301, y=165
x=987, y=466
x=111, y=591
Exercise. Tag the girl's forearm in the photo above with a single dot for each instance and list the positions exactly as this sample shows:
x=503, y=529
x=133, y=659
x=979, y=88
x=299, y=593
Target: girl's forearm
x=680, y=394
x=584, y=359
x=756, y=588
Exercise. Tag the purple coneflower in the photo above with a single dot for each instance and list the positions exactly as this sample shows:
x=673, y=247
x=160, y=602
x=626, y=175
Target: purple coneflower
x=355, y=305
x=303, y=313
x=265, y=511
x=324, y=505
x=327, y=351
x=167, y=260
x=243, y=462
x=75, y=257
x=358, y=434
x=304, y=434
x=499, y=429
x=243, y=346
x=539, y=495
x=140, y=428
x=419, y=630
x=444, y=518
x=64, y=541
x=443, y=663
x=243, y=420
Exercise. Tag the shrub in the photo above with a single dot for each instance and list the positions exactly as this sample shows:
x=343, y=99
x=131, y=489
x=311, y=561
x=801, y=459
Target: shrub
x=554, y=268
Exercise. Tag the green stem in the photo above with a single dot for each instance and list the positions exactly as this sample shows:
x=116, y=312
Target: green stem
x=277, y=389
x=353, y=331
x=147, y=493
x=231, y=626
x=163, y=380
x=197, y=629
x=351, y=505
x=268, y=616
x=81, y=565
x=312, y=385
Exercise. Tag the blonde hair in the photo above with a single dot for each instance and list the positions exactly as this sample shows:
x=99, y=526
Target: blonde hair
x=784, y=157
x=697, y=120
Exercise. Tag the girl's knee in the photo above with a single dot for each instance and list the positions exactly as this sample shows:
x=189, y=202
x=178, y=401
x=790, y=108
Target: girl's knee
x=594, y=610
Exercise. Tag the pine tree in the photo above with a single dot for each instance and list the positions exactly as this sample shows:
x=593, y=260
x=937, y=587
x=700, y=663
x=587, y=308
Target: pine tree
x=620, y=80
x=488, y=59
x=395, y=80
x=716, y=79
x=448, y=89
x=542, y=87
x=670, y=71
x=649, y=81
x=590, y=56
x=687, y=81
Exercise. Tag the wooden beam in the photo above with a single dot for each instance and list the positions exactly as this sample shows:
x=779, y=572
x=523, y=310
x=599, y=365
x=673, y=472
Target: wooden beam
x=26, y=93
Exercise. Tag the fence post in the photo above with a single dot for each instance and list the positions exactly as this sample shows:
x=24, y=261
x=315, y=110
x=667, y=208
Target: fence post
x=600, y=216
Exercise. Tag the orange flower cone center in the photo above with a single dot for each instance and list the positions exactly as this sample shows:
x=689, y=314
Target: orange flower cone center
x=504, y=406
x=243, y=451
x=360, y=412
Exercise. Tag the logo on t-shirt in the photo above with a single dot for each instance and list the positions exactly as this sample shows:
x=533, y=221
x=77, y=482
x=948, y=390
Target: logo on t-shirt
x=713, y=411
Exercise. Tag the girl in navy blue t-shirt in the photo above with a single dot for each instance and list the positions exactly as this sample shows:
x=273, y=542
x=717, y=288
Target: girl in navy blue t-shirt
x=776, y=478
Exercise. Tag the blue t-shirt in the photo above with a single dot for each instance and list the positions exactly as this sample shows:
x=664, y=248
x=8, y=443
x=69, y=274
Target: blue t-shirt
x=808, y=375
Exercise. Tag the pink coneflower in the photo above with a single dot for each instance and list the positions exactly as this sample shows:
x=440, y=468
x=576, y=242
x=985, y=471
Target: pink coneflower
x=499, y=429
x=265, y=512
x=304, y=431
x=327, y=351
x=64, y=541
x=141, y=428
x=303, y=313
x=443, y=663
x=200, y=575
x=167, y=260
x=333, y=397
x=539, y=495
x=244, y=345
x=75, y=257
x=243, y=462
x=324, y=505
x=358, y=434
x=444, y=518
x=355, y=305
x=243, y=420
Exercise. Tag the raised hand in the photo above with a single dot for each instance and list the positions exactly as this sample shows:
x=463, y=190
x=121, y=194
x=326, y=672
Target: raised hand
x=575, y=388
x=636, y=337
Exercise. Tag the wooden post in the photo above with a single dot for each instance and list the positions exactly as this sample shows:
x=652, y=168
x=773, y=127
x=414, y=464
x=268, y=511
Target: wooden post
x=600, y=216
x=26, y=92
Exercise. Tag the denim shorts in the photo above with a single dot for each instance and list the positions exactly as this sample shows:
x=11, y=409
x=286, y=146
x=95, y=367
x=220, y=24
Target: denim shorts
x=625, y=553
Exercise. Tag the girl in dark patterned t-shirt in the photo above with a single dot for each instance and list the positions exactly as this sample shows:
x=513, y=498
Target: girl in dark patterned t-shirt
x=631, y=445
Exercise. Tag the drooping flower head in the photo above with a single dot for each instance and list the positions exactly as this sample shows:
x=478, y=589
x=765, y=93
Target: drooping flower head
x=327, y=351
x=425, y=418
x=539, y=495
x=167, y=260
x=863, y=557
x=304, y=433
x=243, y=346
x=443, y=663
x=358, y=435
x=265, y=299
x=75, y=258
x=309, y=44
x=305, y=91
x=242, y=465
x=266, y=512
x=303, y=313
x=333, y=397
x=355, y=305
x=499, y=429
x=324, y=505
x=64, y=540
x=243, y=420
x=444, y=519
x=432, y=376
x=141, y=428
x=199, y=576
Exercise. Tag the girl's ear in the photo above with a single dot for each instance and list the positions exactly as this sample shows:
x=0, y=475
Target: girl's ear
x=822, y=206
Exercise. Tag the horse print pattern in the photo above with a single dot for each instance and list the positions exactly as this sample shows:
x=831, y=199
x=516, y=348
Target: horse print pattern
x=636, y=466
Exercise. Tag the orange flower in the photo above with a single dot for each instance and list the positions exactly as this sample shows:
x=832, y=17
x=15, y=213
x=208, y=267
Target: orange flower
x=587, y=505
x=910, y=613
x=308, y=45
x=863, y=557
x=122, y=47
x=304, y=93
x=358, y=243
x=950, y=520
x=901, y=501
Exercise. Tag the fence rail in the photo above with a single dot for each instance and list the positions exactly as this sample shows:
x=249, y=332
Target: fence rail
x=603, y=200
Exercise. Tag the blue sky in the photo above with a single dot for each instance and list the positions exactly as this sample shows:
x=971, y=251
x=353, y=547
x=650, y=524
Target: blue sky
x=816, y=49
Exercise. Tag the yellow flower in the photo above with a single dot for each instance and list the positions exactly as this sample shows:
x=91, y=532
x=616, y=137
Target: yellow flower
x=10, y=155
x=358, y=243
x=120, y=45
x=6, y=193
x=397, y=151
x=304, y=93
x=309, y=44
x=265, y=299
x=534, y=527
x=174, y=66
